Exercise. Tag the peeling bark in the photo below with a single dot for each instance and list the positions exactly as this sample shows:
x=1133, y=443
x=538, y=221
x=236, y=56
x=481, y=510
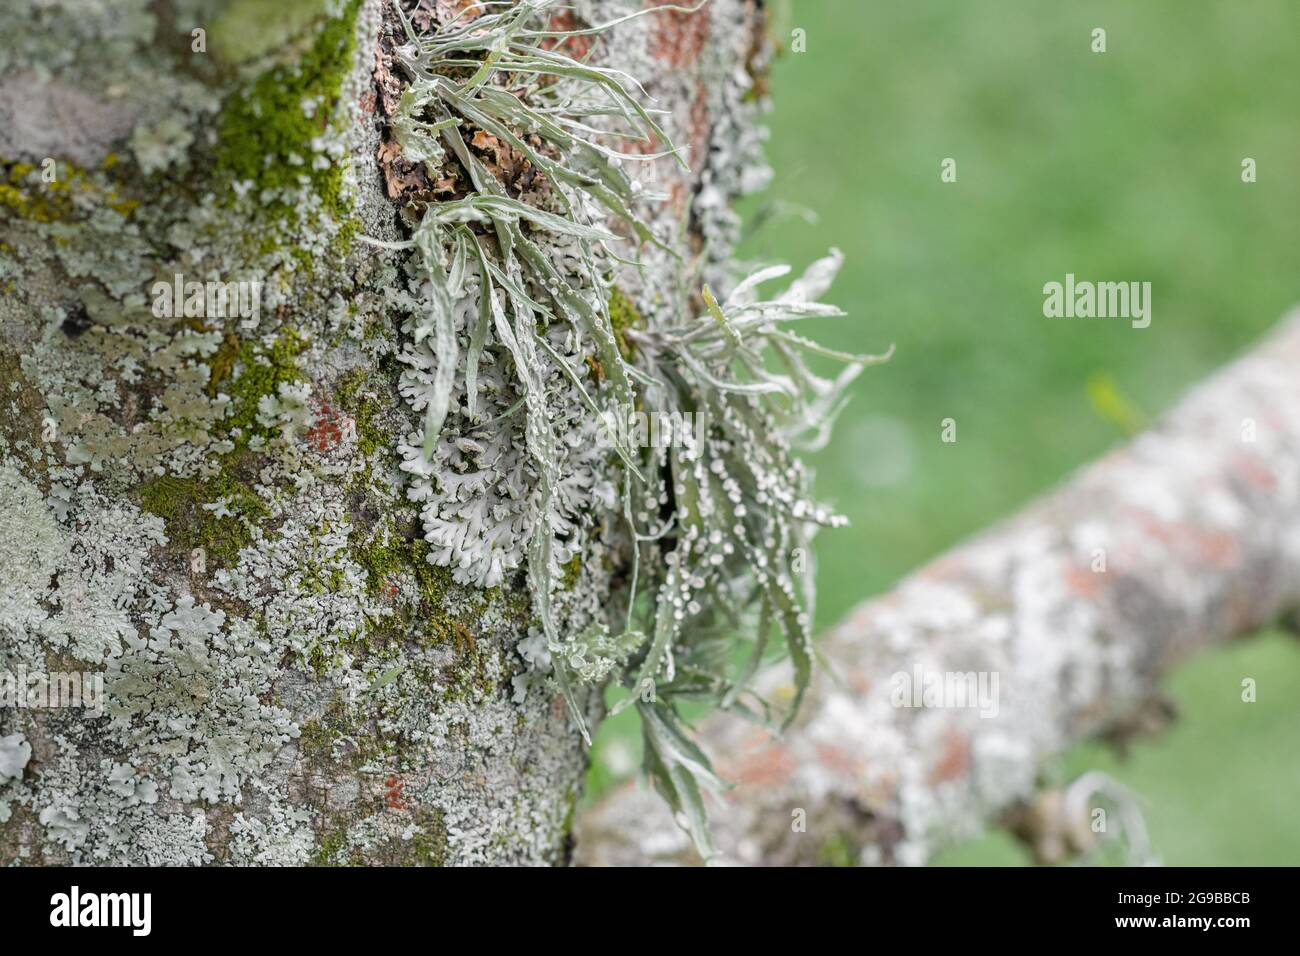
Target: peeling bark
x=1079, y=605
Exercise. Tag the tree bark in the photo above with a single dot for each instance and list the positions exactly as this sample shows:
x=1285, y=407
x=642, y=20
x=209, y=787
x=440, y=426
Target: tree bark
x=205, y=511
x=1077, y=606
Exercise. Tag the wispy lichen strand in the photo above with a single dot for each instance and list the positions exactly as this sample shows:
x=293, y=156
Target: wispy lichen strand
x=517, y=368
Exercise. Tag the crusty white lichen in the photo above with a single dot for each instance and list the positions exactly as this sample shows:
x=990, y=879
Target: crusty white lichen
x=15, y=751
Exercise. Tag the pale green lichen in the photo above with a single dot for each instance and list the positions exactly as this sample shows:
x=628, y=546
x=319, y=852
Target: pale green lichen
x=524, y=282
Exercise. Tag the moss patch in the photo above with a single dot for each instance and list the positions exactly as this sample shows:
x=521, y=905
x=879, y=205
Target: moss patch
x=261, y=372
x=394, y=563
x=179, y=502
x=572, y=570
x=21, y=406
x=25, y=195
x=385, y=561
x=362, y=402
x=427, y=847
x=222, y=363
x=263, y=127
x=623, y=315
x=836, y=851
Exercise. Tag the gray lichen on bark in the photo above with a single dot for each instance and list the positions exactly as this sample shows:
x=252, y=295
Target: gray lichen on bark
x=208, y=510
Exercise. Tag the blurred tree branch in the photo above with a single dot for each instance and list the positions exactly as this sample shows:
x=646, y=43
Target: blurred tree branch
x=1070, y=613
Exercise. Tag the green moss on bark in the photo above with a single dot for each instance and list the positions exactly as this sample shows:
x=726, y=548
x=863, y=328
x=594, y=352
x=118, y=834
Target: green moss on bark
x=265, y=132
x=180, y=503
x=21, y=406
x=25, y=195
x=261, y=373
x=362, y=402
x=623, y=315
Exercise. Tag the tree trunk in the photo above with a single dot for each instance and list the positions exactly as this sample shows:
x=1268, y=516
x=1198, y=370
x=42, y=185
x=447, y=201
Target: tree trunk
x=204, y=506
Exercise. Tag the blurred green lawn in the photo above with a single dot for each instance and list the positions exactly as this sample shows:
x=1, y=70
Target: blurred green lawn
x=1122, y=166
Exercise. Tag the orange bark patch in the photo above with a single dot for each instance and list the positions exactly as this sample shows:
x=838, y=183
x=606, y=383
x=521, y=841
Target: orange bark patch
x=330, y=428
x=1255, y=472
x=508, y=165
x=1083, y=581
x=579, y=48
x=1218, y=548
x=839, y=761
x=858, y=680
x=679, y=38
x=701, y=127
x=770, y=765
x=954, y=762
x=393, y=796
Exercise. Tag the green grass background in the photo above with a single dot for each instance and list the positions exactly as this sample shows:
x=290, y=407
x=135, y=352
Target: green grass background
x=1124, y=165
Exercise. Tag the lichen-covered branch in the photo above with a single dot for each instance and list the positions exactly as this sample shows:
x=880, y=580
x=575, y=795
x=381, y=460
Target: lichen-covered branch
x=940, y=701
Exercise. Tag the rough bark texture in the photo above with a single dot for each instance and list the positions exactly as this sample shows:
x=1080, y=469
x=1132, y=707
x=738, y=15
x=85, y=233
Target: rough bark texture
x=207, y=511
x=1187, y=536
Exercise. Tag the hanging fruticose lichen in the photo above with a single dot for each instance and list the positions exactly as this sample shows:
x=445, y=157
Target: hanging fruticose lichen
x=525, y=383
